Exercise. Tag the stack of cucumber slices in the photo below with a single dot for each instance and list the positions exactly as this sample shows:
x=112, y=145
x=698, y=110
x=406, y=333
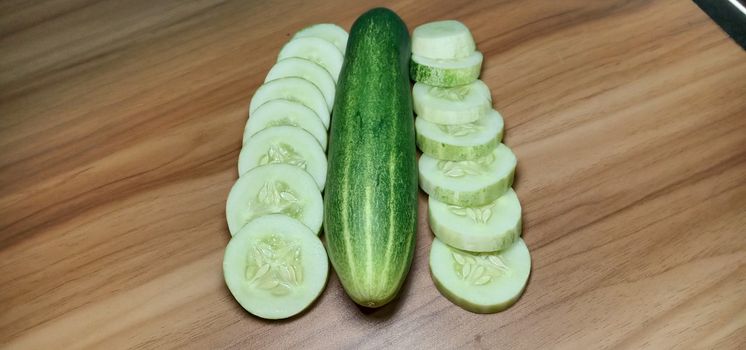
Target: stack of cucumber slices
x=477, y=260
x=275, y=265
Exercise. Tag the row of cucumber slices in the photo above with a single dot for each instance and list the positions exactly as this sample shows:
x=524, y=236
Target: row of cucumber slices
x=477, y=260
x=275, y=265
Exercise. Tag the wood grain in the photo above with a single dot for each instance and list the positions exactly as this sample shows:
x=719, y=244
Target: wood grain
x=121, y=122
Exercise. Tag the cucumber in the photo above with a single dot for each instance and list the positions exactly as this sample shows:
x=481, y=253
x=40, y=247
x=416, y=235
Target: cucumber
x=317, y=50
x=284, y=145
x=303, y=68
x=285, y=112
x=468, y=183
x=455, y=105
x=294, y=89
x=327, y=31
x=274, y=189
x=443, y=40
x=460, y=141
x=275, y=267
x=370, y=201
x=446, y=73
x=480, y=282
x=488, y=228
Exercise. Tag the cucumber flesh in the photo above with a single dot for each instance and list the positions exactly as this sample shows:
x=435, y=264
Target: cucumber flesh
x=460, y=141
x=294, y=89
x=284, y=145
x=480, y=282
x=274, y=189
x=317, y=50
x=455, y=105
x=285, y=112
x=488, y=228
x=275, y=267
x=446, y=73
x=303, y=68
x=443, y=39
x=327, y=31
x=468, y=183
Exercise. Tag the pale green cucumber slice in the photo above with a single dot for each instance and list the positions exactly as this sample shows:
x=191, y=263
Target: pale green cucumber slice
x=274, y=189
x=327, y=31
x=275, y=267
x=442, y=39
x=446, y=73
x=487, y=228
x=303, y=68
x=285, y=112
x=317, y=50
x=460, y=141
x=284, y=145
x=468, y=183
x=455, y=105
x=294, y=89
x=480, y=282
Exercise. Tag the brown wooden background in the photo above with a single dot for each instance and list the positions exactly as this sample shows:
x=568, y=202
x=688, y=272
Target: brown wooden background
x=121, y=122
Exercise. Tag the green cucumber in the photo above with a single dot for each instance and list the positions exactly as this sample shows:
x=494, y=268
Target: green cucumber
x=327, y=31
x=284, y=112
x=275, y=267
x=370, y=201
x=303, y=68
x=468, y=183
x=486, y=228
x=284, y=145
x=294, y=89
x=317, y=50
x=442, y=40
x=446, y=73
x=460, y=141
x=455, y=105
x=480, y=282
x=274, y=189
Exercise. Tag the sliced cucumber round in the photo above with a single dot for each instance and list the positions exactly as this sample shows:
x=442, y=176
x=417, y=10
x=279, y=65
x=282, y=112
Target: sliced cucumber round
x=442, y=39
x=327, y=31
x=275, y=267
x=294, y=89
x=274, y=189
x=285, y=112
x=446, y=73
x=303, y=68
x=468, y=183
x=487, y=228
x=455, y=105
x=460, y=141
x=317, y=50
x=480, y=282
x=284, y=145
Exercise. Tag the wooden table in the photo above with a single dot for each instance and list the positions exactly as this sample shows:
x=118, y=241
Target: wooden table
x=121, y=123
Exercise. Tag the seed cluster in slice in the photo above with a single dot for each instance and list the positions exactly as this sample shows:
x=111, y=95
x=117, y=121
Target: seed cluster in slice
x=477, y=260
x=275, y=265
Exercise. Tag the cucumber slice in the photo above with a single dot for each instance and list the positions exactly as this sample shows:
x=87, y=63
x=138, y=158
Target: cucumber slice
x=455, y=105
x=294, y=89
x=284, y=145
x=285, y=112
x=442, y=39
x=275, y=267
x=274, y=189
x=446, y=73
x=317, y=50
x=303, y=68
x=327, y=31
x=480, y=282
x=460, y=141
x=468, y=183
x=488, y=228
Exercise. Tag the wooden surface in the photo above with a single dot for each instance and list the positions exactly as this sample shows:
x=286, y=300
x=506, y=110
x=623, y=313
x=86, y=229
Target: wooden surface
x=121, y=122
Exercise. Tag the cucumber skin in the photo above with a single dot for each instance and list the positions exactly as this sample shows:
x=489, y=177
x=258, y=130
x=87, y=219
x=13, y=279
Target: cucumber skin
x=370, y=203
x=444, y=77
